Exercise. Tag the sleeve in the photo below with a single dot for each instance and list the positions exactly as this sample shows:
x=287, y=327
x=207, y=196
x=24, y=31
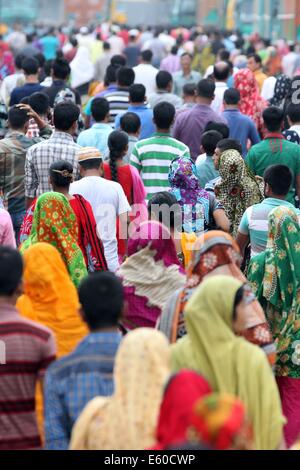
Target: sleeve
x=250, y=160
x=13, y=99
x=8, y=238
x=31, y=179
x=81, y=139
x=298, y=163
x=177, y=128
x=214, y=203
x=244, y=224
x=253, y=134
x=78, y=98
x=187, y=152
x=123, y=204
x=48, y=355
x=117, y=121
x=88, y=108
x=135, y=159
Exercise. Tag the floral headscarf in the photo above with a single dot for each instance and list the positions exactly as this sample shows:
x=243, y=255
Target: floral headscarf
x=192, y=199
x=282, y=89
x=7, y=65
x=238, y=189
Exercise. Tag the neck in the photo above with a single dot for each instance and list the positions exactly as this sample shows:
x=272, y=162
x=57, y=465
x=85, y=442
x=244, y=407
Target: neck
x=278, y=131
x=32, y=79
x=105, y=121
x=8, y=300
x=22, y=131
x=64, y=132
x=92, y=172
x=201, y=100
x=109, y=329
x=186, y=72
x=232, y=106
x=64, y=191
x=162, y=131
x=59, y=79
x=275, y=196
x=295, y=123
x=137, y=104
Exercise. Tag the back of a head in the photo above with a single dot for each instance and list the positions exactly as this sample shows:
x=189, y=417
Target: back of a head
x=189, y=89
x=65, y=115
x=125, y=77
x=164, y=208
x=111, y=74
x=147, y=56
x=219, y=127
x=40, y=103
x=210, y=140
x=224, y=55
x=256, y=58
x=61, y=174
x=18, y=61
x=106, y=46
x=41, y=59
x=30, y=66
x=101, y=297
x=137, y=93
x=206, y=89
x=130, y=123
x=232, y=97
x=163, y=115
x=273, y=118
x=230, y=144
x=174, y=50
x=73, y=41
x=293, y=112
x=163, y=80
x=99, y=109
x=89, y=158
x=221, y=71
x=117, y=141
x=17, y=118
x=279, y=178
x=61, y=69
x=118, y=60
x=11, y=271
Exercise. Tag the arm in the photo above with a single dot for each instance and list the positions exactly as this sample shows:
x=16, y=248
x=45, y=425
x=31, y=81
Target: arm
x=221, y=220
x=253, y=134
x=8, y=238
x=31, y=180
x=243, y=241
x=298, y=186
x=135, y=160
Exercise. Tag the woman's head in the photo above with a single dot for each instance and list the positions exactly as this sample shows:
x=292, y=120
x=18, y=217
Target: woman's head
x=118, y=147
x=61, y=175
x=231, y=165
x=183, y=174
x=245, y=83
x=164, y=208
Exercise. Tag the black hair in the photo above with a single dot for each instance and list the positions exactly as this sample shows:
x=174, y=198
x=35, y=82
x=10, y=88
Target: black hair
x=210, y=140
x=256, y=57
x=118, y=60
x=224, y=55
x=206, y=88
x=17, y=118
x=106, y=46
x=92, y=164
x=230, y=144
x=293, y=112
x=189, y=89
x=165, y=198
x=130, y=123
x=64, y=116
x=147, y=55
x=163, y=79
x=273, y=118
x=279, y=178
x=232, y=96
x=111, y=74
x=25, y=100
x=30, y=65
x=73, y=41
x=174, y=50
x=237, y=300
x=19, y=60
x=99, y=109
x=221, y=71
x=61, y=173
x=186, y=54
x=41, y=59
x=102, y=298
x=11, y=270
x=48, y=67
x=61, y=69
x=125, y=76
x=39, y=102
x=219, y=127
x=137, y=93
x=163, y=115
x=117, y=144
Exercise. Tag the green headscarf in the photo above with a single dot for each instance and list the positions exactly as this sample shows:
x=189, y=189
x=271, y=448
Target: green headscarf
x=54, y=222
x=229, y=363
x=275, y=278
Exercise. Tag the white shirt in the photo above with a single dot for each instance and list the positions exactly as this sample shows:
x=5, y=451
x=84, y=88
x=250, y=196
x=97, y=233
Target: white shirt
x=146, y=75
x=108, y=201
x=117, y=45
x=268, y=88
x=217, y=104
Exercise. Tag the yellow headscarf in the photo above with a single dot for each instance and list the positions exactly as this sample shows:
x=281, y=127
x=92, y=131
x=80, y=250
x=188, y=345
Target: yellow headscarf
x=127, y=420
x=229, y=363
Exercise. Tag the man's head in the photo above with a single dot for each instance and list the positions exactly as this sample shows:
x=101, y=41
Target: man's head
x=11, y=273
x=293, y=113
x=278, y=180
x=102, y=300
x=219, y=127
x=210, y=141
x=164, y=81
x=90, y=162
x=40, y=103
x=118, y=60
x=164, y=115
x=65, y=117
x=111, y=75
x=137, y=94
x=18, y=61
x=223, y=55
x=131, y=124
x=61, y=175
x=186, y=63
x=106, y=46
x=164, y=208
x=273, y=118
x=18, y=119
x=30, y=67
x=189, y=93
x=174, y=50
x=254, y=62
x=232, y=98
x=125, y=77
x=206, y=91
x=221, y=71
x=222, y=146
x=147, y=56
x=60, y=69
x=100, y=110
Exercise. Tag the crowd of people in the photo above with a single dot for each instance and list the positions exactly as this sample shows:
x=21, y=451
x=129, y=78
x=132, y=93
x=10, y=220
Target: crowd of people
x=149, y=240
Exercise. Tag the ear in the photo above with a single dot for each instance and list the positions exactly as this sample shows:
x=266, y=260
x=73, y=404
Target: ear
x=20, y=289
x=26, y=127
x=82, y=314
x=101, y=171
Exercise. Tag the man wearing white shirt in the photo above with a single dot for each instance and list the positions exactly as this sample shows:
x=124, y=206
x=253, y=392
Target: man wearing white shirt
x=107, y=199
x=145, y=73
x=289, y=61
x=221, y=75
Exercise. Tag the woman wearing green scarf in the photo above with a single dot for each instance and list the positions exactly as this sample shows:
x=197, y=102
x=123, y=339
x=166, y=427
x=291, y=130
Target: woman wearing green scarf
x=228, y=362
x=275, y=277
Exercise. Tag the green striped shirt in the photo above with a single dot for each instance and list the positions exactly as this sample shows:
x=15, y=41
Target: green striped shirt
x=152, y=157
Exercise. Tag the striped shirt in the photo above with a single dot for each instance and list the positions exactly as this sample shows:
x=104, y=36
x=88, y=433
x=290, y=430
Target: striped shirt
x=118, y=100
x=152, y=157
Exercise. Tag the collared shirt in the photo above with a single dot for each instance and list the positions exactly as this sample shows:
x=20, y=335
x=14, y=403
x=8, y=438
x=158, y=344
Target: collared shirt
x=96, y=136
x=73, y=381
x=146, y=75
x=21, y=92
x=131, y=144
x=242, y=128
x=108, y=90
x=170, y=64
x=217, y=104
x=118, y=102
x=29, y=349
x=275, y=150
x=162, y=95
x=12, y=167
x=206, y=170
x=254, y=222
x=146, y=116
x=180, y=80
x=60, y=146
x=189, y=126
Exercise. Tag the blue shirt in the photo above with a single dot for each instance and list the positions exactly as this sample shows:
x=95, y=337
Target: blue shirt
x=206, y=171
x=74, y=380
x=22, y=91
x=88, y=107
x=146, y=116
x=50, y=45
x=96, y=136
x=241, y=128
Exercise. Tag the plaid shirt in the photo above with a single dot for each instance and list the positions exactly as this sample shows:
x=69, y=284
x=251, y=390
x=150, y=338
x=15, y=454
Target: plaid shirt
x=60, y=146
x=12, y=167
x=73, y=381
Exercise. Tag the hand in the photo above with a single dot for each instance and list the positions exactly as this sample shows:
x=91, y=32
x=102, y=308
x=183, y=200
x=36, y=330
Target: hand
x=30, y=112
